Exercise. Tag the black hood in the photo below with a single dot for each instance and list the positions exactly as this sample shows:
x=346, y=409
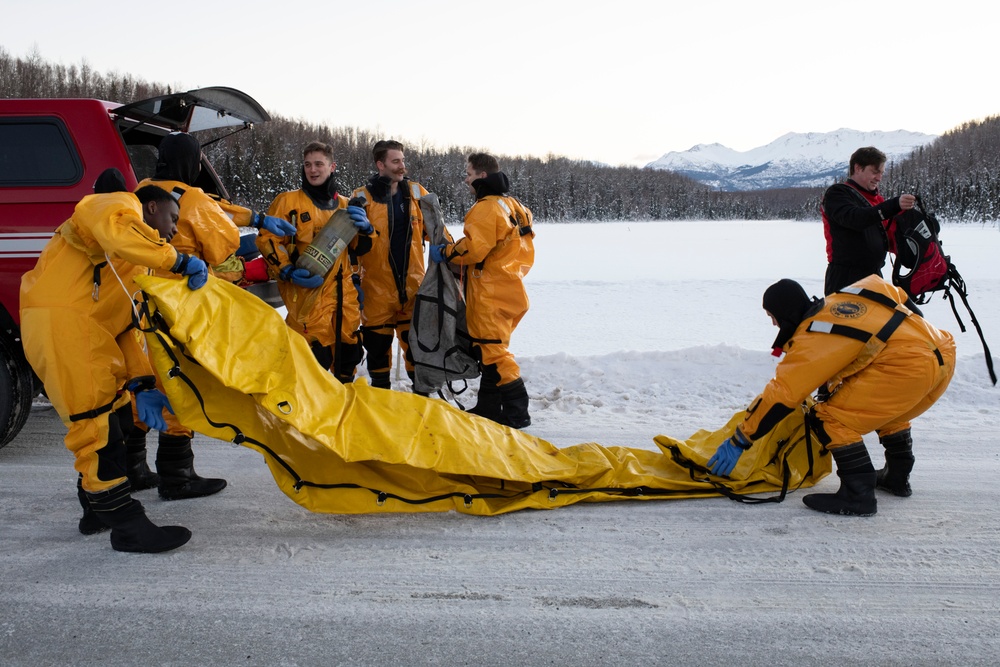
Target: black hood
x=381, y=186
x=492, y=184
x=179, y=158
x=323, y=195
x=110, y=180
x=788, y=303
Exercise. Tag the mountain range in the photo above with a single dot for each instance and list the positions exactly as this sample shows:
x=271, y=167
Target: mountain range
x=793, y=160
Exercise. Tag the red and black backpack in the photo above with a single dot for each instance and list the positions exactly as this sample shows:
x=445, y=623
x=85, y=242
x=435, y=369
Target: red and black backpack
x=921, y=268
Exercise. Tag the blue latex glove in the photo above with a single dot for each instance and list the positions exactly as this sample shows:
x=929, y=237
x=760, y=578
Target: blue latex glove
x=194, y=268
x=728, y=454
x=303, y=278
x=248, y=246
x=286, y=272
x=149, y=404
x=437, y=253
x=276, y=226
x=360, y=219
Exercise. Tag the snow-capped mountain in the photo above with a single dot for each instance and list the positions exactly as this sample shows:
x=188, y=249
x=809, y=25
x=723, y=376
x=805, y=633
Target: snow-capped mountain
x=811, y=159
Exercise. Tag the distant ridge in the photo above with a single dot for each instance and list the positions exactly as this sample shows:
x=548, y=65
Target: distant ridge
x=793, y=160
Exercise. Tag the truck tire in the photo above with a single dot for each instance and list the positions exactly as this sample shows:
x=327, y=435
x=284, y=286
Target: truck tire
x=17, y=389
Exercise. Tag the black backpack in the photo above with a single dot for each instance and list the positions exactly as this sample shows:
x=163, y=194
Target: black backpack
x=921, y=268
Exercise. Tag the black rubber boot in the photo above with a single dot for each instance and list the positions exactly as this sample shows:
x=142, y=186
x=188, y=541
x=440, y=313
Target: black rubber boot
x=856, y=496
x=89, y=524
x=136, y=468
x=381, y=380
x=895, y=476
x=488, y=401
x=175, y=463
x=514, y=398
x=131, y=529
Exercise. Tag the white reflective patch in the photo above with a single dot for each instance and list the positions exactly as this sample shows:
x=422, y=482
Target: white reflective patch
x=14, y=245
x=504, y=205
x=851, y=289
x=821, y=327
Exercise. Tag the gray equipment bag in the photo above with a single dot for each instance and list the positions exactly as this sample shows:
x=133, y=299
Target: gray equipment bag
x=439, y=338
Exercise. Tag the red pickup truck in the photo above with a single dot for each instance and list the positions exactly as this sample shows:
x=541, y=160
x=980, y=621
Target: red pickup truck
x=51, y=152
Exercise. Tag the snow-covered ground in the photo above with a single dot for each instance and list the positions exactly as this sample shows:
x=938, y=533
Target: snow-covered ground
x=635, y=330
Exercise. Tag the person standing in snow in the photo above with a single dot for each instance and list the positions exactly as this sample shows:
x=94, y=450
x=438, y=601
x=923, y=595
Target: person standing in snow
x=883, y=365
x=77, y=328
x=206, y=228
x=392, y=271
x=323, y=309
x=856, y=218
x=496, y=254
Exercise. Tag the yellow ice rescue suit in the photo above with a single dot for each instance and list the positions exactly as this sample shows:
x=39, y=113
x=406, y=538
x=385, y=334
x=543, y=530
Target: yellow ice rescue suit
x=391, y=272
x=76, y=306
x=882, y=363
x=497, y=250
x=328, y=316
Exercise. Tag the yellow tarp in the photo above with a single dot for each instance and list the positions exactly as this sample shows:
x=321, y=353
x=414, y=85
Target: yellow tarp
x=233, y=370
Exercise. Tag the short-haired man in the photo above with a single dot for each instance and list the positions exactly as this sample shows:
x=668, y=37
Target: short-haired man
x=77, y=327
x=496, y=253
x=392, y=271
x=323, y=309
x=855, y=219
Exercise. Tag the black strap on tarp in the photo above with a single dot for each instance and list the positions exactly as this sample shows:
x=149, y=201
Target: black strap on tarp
x=157, y=327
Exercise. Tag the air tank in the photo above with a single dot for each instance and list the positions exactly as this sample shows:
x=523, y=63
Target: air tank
x=333, y=238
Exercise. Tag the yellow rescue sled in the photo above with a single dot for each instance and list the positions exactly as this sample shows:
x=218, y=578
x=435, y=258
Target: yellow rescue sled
x=234, y=371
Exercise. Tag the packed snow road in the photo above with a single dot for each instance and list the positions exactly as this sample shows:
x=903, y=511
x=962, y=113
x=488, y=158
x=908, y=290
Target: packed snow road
x=265, y=582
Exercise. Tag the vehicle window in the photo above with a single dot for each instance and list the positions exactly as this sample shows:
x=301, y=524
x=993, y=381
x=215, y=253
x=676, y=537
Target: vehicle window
x=37, y=151
x=143, y=160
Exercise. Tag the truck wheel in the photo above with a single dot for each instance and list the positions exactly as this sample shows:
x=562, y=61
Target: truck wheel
x=17, y=389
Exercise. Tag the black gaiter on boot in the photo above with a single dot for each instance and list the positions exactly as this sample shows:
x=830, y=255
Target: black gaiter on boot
x=131, y=529
x=175, y=464
x=895, y=476
x=856, y=496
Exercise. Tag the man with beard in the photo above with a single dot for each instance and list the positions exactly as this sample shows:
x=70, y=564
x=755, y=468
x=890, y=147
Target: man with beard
x=392, y=272
x=498, y=247
x=856, y=218
x=323, y=309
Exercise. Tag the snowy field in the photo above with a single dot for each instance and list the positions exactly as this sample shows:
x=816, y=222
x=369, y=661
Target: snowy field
x=635, y=330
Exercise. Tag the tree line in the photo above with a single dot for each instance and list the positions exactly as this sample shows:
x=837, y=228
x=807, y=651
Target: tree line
x=957, y=175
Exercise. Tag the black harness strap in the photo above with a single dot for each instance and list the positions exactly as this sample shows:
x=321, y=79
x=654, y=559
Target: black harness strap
x=91, y=414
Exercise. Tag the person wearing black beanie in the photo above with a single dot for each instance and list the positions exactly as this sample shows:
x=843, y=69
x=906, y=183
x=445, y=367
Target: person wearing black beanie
x=883, y=365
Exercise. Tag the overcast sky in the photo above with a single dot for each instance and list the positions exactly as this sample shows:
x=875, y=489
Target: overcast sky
x=621, y=84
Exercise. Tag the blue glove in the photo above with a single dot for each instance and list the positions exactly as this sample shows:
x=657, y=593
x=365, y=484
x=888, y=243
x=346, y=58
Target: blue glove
x=360, y=219
x=149, y=404
x=728, y=454
x=276, y=226
x=286, y=272
x=303, y=278
x=437, y=253
x=194, y=268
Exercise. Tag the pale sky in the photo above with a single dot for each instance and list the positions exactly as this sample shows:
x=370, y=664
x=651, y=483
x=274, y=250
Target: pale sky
x=622, y=83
